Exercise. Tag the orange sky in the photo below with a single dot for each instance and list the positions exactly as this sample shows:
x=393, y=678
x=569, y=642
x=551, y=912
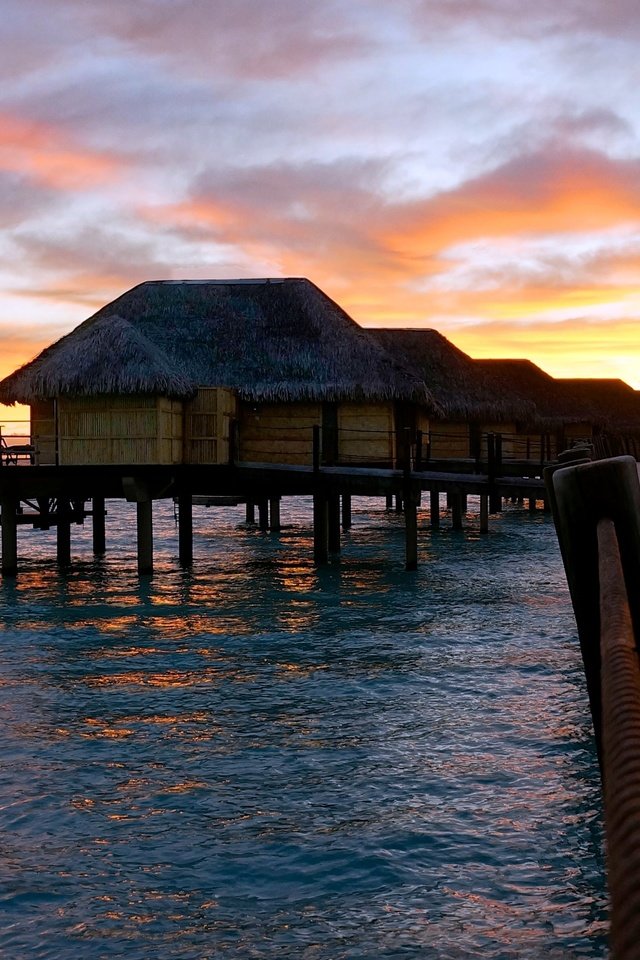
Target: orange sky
x=469, y=167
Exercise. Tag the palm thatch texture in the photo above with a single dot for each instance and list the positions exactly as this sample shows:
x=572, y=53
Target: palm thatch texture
x=462, y=389
x=553, y=404
x=269, y=340
x=614, y=402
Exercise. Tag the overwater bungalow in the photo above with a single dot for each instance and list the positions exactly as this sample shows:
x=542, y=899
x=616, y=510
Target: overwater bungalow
x=472, y=405
x=557, y=419
x=197, y=371
x=616, y=409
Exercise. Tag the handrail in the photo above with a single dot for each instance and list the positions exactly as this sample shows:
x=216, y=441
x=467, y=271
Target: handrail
x=596, y=508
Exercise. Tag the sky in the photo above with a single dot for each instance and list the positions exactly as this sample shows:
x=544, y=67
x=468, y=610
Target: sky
x=467, y=165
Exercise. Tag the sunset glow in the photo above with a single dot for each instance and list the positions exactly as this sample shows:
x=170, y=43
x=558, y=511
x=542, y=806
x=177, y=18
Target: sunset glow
x=467, y=167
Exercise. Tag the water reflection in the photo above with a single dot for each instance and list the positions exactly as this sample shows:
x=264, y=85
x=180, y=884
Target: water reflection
x=255, y=758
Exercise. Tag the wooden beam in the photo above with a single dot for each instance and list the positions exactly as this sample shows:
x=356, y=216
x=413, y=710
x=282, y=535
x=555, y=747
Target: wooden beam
x=144, y=517
x=434, y=504
x=9, y=508
x=484, y=513
x=63, y=533
x=320, y=528
x=346, y=511
x=274, y=514
x=333, y=520
x=185, y=529
x=98, y=525
x=411, y=530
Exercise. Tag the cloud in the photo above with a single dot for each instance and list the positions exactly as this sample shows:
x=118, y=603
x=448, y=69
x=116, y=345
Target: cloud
x=41, y=153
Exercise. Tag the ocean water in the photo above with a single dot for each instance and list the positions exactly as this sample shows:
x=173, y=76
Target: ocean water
x=260, y=759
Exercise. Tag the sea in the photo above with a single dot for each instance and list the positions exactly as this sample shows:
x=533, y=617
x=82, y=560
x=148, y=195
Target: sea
x=259, y=758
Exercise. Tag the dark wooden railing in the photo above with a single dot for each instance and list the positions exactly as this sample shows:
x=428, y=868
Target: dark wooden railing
x=596, y=508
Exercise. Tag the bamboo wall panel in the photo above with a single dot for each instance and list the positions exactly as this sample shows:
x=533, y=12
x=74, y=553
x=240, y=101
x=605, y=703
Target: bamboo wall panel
x=207, y=428
x=43, y=431
x=366, y=433
x=119, y=429
x=450, y=440
x=278, y=432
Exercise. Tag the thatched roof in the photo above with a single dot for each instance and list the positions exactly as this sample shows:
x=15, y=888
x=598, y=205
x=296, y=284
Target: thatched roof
x=554, y=403
x=614, y=402
x=111, y=355
x=266, y=339
x=458, y=384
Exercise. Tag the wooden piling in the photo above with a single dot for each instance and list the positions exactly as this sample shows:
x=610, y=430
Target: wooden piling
x=250, y=512
x=9, y=507
x=320, y=528
x=63, y=533
x=484, y=513
x=185, y=529
x=333, y=520
x=346, y=511
x=456, y=510
x=98, y=525
x=263, y=514
x=274, y=514
x=434, y=508
x=144, y=516
x=411, y=529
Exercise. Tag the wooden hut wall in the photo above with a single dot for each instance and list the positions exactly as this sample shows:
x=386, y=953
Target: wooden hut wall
x=207, y=427
x=366, y=433
x=277, y=432
x=512, y=447
x=449, y=439
x=119, y=429
x=43, y=431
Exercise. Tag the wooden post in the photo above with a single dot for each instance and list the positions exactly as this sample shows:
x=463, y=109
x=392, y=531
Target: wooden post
x=98, y=525
x=399, y=506
x=333, y=520
x=9, y=507
x=484, y=513
x=411, y=529
x=533, y=504
x=434, y=505
x=263, y=514
x=346, y=511
x=63, y=533
x=463, y=502
x=185, y=529
x=144, y=512
x=274, y=514
x=316, y=448
x=456, y=510
x=320, y=528
x=250, y=514
x=580, y=496
x=418, y=457
x=389, y=501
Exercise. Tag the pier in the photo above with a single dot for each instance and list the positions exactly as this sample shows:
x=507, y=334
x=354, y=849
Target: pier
x=61, y=496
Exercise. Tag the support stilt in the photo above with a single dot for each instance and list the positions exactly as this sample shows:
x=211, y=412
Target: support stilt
x=333, y=518
x=185, y=530
x=9, y=507
x=98, y=525
x=346, y=511
x=250, y=514
x=484, y=513
x=434, y=504
x=320, y=528
x=63, y=533
x=263, y=514
x=144, y=510
x=456, y=510
x=274, y=514
x=411, y=531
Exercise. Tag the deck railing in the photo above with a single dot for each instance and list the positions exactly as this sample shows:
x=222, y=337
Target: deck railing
x=596, y=508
